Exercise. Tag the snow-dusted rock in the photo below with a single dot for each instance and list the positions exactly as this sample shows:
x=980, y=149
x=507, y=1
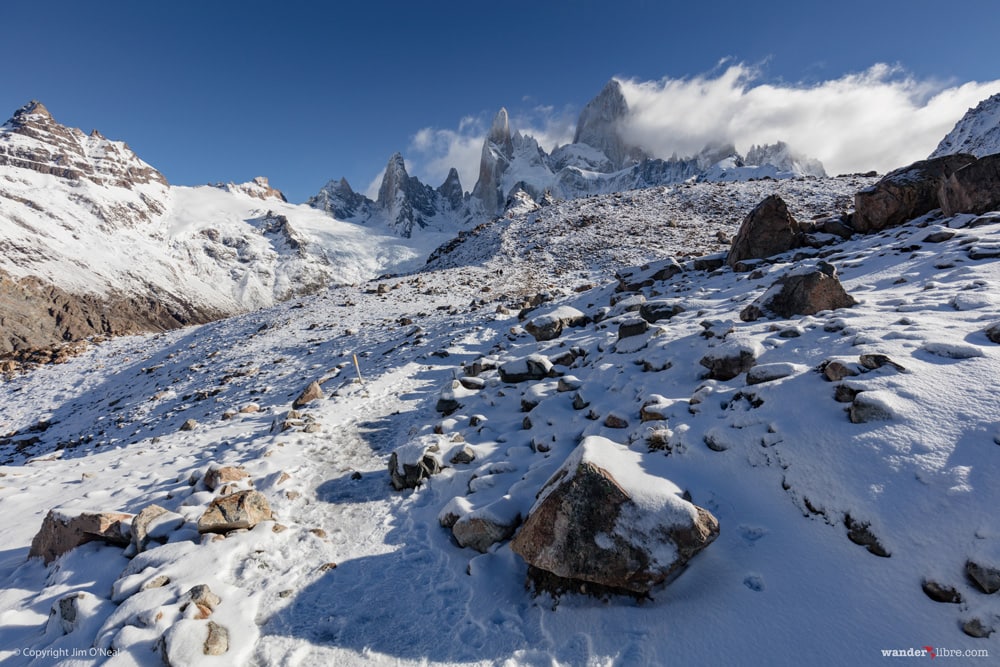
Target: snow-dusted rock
x=412, y=463
x=153, y=524
x=993, y=333
x=941, y=592
x=975, y=188
x=976, y=133
x=63, y=530
x=634, y=278
x=985, y=576
x=904, y=194
x=550, y=325
x=802, y=292
x=774, y=371
x=70, y=611
x=731, y=358
x=835, y=369
x=311, y=393
x=602, y=519
x=484, y=527
x=869, y=406
x=532, y=367
x=241, y=510
x=661, y=309
x=218, y=476
x=769, y=229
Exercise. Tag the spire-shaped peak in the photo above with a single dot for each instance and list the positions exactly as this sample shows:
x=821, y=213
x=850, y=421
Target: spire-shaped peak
x=34, y=107
x=500, y=129
x=394, y=180
x=600, y=122
x=451, y=189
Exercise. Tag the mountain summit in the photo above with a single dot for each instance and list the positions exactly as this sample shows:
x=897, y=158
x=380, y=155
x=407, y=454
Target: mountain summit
x=977, y=133
x=600, y=124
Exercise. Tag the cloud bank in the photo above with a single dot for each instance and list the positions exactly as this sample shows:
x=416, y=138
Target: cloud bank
x=878, y=119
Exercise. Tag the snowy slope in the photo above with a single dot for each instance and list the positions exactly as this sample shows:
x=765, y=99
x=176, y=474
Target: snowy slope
x=977, y=133
x=365, y=575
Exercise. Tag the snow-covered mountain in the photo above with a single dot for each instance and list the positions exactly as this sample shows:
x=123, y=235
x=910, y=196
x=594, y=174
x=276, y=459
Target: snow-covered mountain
x=599, y=161
x=977, y=133
x=94, y=241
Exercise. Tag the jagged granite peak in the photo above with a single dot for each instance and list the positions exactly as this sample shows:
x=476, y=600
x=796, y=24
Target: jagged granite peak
x=977, y=133
x=600, y=124
x=32, y=139
x=403, y=201
x=451, y=189
x=498, y=149
x=341, y=201
x=781, y=156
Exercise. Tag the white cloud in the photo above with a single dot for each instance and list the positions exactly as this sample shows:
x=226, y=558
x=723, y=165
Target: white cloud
x=879, y=119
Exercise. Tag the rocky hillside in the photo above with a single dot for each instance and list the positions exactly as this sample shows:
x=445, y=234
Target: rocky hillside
x=145, y=255
x=977, y=133
x=799, y=428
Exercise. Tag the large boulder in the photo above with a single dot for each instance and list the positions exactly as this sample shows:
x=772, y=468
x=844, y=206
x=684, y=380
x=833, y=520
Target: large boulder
x=550, y=325
x=975, y=188
x=63, y=530
x=803, y=292
x=768, y=230
x=242, y=510
x=603, y=520
x=154, y=524
x=531, y=367
x=905, y=193
x=726, y=361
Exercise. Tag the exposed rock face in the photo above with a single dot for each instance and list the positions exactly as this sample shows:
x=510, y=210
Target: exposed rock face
x=451, y=189
x=905, y=193
x=800, y=293
x=242, y=510
x=404, y=201
x=975, y=188
x=32, y=139
x=977, y=133
x=62, y=531
x=768, y=230
x=600, y=126
x=498, y=149
x=601, y=519
x=38, y=315
x=339, y=200
x=258, y=188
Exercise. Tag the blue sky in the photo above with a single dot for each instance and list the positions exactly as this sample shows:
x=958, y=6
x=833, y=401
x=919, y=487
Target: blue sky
x=307, y=91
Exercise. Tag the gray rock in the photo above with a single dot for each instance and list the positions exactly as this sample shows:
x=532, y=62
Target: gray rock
x=550, y=325
x=62, y=531
x=974, y=188
x=656, y=311
x=993, y=333
x=800, y=293
x=941, y=592
x=768, y=230
x=634, y=278
x=414, y=462
x=308, y=395
x=730, y=359
x=586, y=528
x=633, y=326
x=532, y=367
x=985, y=577
x=241, y=510
x=153, y=524
x=904, y=194
x=861, y=534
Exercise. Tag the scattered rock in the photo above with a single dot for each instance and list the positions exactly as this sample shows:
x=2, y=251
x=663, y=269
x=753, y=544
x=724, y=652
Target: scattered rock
x=973, y=188
x=975, y=627
x=250, y=408
x=463, y=456
x=189, y=425
x=709, y=263
x=154, y=524
x=615, y=421
x=308, y=395
x=940, y=592
x=241, y=510
x=861, y=534
x=587, y=526
x=634, y=278
x=986, y=578
x=472, y=383
x=68, y=611
x=905, y=193
x=414, y=462
x=655, y=409
x=768, y=230
x=202, y=596
x=836, y=370
x=870, y=406
x=63, y=530
x=532, y=367
x=993, y=333
x=571, y=383
x=802, y=292
x=633, y=326
x=873, y=361
x=482, y=528
x=218, y=476
x=550, y=325
x=730, y=359
x=656, y=311
x=217, y=642
x=771, y=372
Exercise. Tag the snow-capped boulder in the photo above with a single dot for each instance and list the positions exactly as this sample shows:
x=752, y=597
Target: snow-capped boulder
x=769, y=229
x=731, y=358
x=661, y=309
x=993, y=333
x=412, y=463
x=484, y=527
x=975, y=188
x=904, y=194
x=804, y=291
x=985, y=576
x=602, y=519
x=550, y=325
x=634, y=278
x=241, y=510
x=63, y=530
x=532, y=367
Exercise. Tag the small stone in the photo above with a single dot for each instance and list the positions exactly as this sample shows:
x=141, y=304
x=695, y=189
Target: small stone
x=318, y=532
x=217, y=476
x=940, y=592
x=986, y=578
x=242, y=510
x=975, y=627
x=158, y=581
x=326, y=567
x=615, y=421
x=217, y=642
x=861, y=534
x=463, y=456
x=836, y=370
x=200, y=595
x=189, y=425
x=993, y=333
x=874, y=361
